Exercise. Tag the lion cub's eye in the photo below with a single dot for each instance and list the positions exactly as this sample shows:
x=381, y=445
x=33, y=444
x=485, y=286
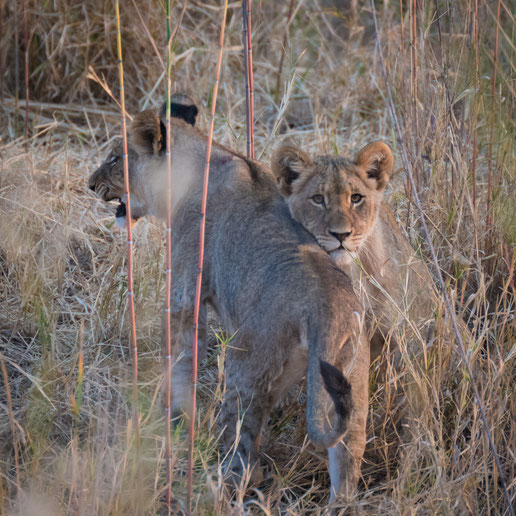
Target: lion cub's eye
x=113, y=160
x=356, y=198
x=318, y=199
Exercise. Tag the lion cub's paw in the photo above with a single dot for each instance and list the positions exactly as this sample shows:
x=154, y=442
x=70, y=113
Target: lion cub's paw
x=239, y=474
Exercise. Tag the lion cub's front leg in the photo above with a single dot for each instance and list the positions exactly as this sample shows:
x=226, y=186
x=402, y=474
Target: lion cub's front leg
x=181, y=351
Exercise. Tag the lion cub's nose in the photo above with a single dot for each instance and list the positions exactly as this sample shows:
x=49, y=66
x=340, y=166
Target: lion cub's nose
x=340, y=236
x=92, y=186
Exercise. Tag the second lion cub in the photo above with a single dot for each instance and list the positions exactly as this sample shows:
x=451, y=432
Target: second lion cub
x=340, y=201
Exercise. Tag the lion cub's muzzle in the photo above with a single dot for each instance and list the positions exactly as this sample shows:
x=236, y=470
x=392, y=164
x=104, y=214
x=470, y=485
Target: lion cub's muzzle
x=121, y=210
x=340, y=236
x=102, y=190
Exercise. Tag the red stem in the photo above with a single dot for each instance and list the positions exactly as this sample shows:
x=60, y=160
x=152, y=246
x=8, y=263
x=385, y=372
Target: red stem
x=1, y=61
x=201, y=259
x=474, y=161
x=251, y=81
x=414, y=82
x=248, y=67
x=168, y=289
x=16, y=62
x=130, y=293
x=26, y=38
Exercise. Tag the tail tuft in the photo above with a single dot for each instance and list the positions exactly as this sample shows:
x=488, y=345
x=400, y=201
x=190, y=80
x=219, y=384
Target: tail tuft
x=338, y=388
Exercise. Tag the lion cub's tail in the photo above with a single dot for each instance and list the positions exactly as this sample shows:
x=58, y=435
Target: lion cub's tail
x=339, y=390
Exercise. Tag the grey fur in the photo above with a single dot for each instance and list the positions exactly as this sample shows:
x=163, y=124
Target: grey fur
x=273, y=287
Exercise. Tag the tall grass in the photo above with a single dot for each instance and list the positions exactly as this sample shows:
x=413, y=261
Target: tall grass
x=64, y=434
x=198, y=283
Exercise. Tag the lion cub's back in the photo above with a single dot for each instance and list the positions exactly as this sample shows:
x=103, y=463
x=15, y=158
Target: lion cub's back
x=269, y=265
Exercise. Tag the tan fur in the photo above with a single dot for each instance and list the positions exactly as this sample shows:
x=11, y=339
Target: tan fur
x=393, y=284
x=147, y=133
x=281, y=296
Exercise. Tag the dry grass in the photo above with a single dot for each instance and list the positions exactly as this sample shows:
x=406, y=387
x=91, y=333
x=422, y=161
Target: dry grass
x=62, y=262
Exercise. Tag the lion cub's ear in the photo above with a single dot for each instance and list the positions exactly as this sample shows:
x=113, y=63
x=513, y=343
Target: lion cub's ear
x=288, y=164
x=148, y=133
x=376, y=161
x=181, y=106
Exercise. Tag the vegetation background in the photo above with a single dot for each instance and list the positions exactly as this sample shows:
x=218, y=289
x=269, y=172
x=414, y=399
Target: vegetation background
x=66, y=445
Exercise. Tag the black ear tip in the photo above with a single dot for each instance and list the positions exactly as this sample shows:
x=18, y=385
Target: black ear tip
x=187, y=113
x=191, y=115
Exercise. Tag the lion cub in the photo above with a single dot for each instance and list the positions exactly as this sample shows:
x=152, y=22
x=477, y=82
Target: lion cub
x=340, y=202
x=290, y=310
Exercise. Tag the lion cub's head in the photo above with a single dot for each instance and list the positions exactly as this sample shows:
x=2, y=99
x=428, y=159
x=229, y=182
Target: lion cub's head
x=334, y=198
x=147, y=132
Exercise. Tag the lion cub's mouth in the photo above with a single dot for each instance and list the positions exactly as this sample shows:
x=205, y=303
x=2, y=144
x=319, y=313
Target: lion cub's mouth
x=342, y=256
x=121, y=210
x=340, y=248
x=121, y=214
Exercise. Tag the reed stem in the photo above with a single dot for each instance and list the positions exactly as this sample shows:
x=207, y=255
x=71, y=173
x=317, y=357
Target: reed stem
x=130, y=292
x=27, y=92
x=474, y=160
x=201, y=258
x=282, y=57
x=249, y=83
x=168, y=288
x=491, y=137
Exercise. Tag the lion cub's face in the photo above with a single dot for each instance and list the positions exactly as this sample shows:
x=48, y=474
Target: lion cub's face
x=334, y=198
x=147, y=134
x=108, y=182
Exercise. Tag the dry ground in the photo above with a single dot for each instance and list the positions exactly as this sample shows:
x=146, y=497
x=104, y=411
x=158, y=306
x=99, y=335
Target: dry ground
x=65, y=433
